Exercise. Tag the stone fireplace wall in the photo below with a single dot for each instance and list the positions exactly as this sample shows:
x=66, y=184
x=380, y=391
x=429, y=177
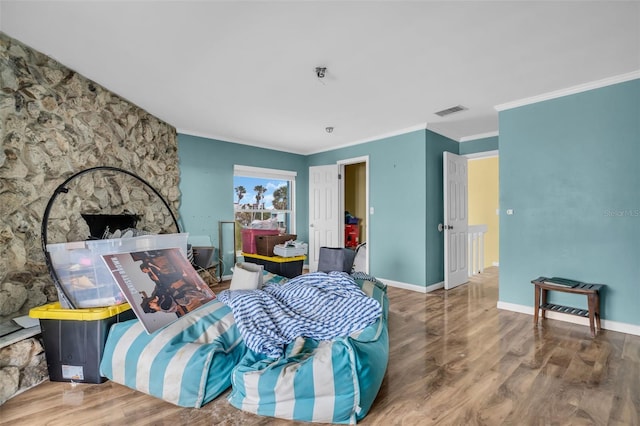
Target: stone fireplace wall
x=54, y=123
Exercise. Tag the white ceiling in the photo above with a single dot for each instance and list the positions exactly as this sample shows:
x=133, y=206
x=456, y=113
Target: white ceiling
x=244, y=71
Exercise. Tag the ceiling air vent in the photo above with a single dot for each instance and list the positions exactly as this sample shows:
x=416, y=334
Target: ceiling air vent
x=451, y=110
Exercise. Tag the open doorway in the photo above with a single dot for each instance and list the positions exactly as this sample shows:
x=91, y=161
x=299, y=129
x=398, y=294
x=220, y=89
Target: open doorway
x=484, y=203
x=328, y=198
x=355, y=202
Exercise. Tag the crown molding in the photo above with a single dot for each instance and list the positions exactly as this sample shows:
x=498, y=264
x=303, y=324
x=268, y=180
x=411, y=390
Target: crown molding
x=406, y=130
x=482, y=155
x=478, y=136
x=570, y=90
x=234, y=141
x=378, y=137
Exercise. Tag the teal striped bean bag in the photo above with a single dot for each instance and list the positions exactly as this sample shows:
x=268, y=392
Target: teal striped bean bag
x=187, y=363
x=332, y=381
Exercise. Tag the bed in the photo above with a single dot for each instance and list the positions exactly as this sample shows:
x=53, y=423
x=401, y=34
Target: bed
x=315, y=380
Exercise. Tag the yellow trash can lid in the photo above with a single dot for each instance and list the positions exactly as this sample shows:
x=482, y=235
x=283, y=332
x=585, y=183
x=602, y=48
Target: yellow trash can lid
x=57, y=312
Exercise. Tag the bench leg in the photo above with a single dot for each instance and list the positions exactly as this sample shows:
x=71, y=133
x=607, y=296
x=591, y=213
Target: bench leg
x=536, y=305
x=592, y=313
x=594, y=306
x=543, y=296
x=597, y=310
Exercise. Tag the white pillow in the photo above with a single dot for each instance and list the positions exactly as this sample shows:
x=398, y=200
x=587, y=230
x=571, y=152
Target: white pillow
x=246, y=276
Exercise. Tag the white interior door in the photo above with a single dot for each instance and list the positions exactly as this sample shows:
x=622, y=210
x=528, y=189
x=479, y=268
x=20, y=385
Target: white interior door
x=455, y=220
x=324, y=219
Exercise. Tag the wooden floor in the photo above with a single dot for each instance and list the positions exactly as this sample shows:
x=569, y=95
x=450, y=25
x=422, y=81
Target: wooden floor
x=455, y=359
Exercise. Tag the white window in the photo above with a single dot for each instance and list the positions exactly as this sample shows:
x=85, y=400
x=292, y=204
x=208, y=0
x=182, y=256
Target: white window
x=264, y=198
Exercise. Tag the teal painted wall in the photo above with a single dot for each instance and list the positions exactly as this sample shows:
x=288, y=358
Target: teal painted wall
x=570, y=170
x=436, y=145
x=206, y=183
x=397, y=181
x=405, y=190
x=479, y=145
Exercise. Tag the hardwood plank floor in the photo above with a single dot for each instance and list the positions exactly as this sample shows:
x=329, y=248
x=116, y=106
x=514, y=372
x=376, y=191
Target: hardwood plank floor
x=455, y=359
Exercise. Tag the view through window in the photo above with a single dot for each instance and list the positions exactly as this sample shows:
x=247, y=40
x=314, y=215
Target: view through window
x=263, y=199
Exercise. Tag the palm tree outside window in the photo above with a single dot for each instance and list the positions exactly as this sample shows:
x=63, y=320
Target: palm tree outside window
x=263, y=198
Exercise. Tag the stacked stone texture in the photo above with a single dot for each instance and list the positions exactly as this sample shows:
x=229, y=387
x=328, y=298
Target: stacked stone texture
x=53, y=124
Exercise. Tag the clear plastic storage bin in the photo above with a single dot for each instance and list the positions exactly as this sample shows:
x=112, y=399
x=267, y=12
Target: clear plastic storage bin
x=84, y=275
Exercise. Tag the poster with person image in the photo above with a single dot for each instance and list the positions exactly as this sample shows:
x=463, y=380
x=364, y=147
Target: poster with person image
x=160, y=285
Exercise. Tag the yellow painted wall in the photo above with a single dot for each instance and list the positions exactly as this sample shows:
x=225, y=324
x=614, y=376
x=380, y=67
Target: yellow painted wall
x=484, y=202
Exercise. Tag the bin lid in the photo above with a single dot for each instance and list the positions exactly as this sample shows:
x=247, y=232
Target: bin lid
x=277, y=259
x=55, y=311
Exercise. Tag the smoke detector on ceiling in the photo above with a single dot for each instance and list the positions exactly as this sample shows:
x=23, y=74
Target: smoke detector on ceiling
x=451, y=110
x=321, y=71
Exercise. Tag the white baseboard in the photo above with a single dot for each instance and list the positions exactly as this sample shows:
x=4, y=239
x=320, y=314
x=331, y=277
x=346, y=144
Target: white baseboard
x=413, y=287
x=435, y=286
x=606, y=324
x=495, y=263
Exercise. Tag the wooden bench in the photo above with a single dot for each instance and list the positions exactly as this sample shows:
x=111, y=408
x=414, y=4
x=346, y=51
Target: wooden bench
x=543, y=285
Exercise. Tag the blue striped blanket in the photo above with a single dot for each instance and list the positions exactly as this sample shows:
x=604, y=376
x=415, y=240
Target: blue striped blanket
x=319, y=306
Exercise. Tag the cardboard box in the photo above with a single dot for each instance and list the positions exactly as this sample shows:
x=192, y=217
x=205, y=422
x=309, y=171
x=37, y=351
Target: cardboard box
x=74, y=339
x=266, y=243
x=249, y=238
